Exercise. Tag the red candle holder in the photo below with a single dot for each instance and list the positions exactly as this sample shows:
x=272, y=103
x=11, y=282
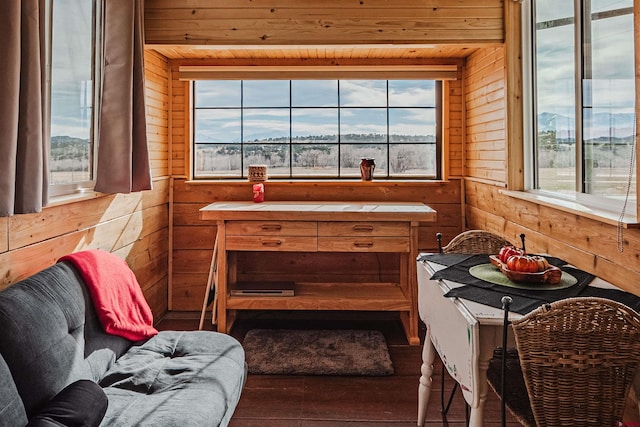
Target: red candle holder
x=258, y=193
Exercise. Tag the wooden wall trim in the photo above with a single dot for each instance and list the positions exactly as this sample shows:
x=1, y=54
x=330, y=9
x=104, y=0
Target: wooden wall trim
x=515, y=109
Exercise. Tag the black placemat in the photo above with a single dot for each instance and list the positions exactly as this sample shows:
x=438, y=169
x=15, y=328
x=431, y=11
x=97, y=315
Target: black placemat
x=491, y=294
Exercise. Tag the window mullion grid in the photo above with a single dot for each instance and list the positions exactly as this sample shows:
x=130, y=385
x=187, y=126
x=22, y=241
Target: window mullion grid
x=290, y=129
x=388, y=137
x=581, y=74
x=241, y=128
x=339, y=133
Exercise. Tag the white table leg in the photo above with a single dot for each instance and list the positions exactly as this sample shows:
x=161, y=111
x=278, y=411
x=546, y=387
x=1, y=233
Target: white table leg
x=426, y=370
x=487, y=344
x=476, y=415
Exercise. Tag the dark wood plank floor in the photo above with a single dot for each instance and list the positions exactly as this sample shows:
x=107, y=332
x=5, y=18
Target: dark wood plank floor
x=334, y=401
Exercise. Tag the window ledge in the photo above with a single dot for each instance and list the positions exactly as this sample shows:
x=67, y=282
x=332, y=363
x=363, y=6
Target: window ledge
x=348, y=182
x=73, y=197
x=630, y=219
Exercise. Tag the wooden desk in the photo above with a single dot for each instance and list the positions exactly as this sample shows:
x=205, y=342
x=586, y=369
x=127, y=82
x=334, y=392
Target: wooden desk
x=464, y=334
x=312, y=227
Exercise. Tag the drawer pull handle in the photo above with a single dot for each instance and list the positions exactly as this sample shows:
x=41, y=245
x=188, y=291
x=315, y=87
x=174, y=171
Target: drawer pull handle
x=363, y=228
x=271, y=227
x=363, y=244
x=271, y=243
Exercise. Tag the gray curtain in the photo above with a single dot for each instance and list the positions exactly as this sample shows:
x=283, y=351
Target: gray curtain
x=123, y=158
x=23, y=132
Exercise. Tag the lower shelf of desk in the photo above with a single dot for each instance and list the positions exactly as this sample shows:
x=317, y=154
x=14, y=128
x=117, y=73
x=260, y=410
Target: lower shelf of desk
x=329, y=296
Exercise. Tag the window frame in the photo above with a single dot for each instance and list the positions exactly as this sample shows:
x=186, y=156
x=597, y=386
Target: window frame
x=439, y=74
x=60, y=191
x=581, y=198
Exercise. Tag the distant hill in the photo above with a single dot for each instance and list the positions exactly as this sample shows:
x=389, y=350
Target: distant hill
x=67, y=147
x=346, y=137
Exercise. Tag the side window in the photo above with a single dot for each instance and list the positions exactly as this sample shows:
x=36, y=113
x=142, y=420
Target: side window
x=72, y=47
x=316, y=128
x=584, y=89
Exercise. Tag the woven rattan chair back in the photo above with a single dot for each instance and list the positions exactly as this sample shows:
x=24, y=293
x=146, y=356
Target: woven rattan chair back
x=578, y=359
x=473, y=242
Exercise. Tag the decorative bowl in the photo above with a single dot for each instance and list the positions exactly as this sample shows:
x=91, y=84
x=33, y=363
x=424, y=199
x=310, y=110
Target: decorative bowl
x=551, y=275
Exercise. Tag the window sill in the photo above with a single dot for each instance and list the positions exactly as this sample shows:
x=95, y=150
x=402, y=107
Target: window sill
x=328, y=181
x=73, y=197
x=576, y=208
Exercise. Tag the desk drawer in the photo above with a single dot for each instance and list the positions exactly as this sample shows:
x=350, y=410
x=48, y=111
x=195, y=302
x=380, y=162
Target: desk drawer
x=363, y=244
x=272, y=243
x=365, y=228
x=271, y=228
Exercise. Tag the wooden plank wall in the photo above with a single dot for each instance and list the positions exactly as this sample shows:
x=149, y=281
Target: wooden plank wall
x=485, y=115
x=193, y=238
x=133, y=226
x=588, y=244
x=309, y=22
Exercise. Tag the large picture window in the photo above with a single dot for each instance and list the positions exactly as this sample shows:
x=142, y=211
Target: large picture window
x=72, y=40
x=584, y=89
x=316, y=128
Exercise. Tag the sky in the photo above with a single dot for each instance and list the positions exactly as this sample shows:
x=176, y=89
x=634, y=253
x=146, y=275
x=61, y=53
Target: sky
x=71, y=76
x=314, y=106
x=611, y=87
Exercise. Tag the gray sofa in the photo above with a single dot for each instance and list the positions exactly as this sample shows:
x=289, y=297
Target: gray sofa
x=50, y=338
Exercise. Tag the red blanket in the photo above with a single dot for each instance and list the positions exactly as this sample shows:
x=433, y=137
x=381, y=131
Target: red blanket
x=116, y=294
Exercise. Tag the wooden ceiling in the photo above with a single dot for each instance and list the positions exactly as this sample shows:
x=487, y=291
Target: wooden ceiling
x=349, y=30
x=313, y=52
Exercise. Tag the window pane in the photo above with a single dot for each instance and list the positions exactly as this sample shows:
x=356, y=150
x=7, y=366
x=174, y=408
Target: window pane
x=314, y=125
x=363, y=93
x=314, y=134
x=609, y=105
x=412, y=124
x=217, y=126
x=71, y=91
x=314, y=93
x=413, y=159
x=214, y=93
x=218, y=159
x=412, y=93
x=315, y=160
x=363, y=125
x=275, y=156
x=352, y=154
x=265, y=93
x=265, y=125
x=555, y=96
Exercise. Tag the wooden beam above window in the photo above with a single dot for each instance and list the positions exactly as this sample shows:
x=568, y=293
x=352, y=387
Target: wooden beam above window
x=319, y=72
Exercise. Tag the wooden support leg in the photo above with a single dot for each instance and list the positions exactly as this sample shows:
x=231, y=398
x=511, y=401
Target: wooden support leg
x=211, y=287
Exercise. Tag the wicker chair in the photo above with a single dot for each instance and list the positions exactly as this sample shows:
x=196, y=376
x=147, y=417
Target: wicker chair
x=578, y=358
x=473, y=242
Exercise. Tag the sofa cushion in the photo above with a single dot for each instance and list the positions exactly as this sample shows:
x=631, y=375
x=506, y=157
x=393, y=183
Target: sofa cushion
x=176, y=379
x=80, y=404
x=11, y=408
x=51, y=337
